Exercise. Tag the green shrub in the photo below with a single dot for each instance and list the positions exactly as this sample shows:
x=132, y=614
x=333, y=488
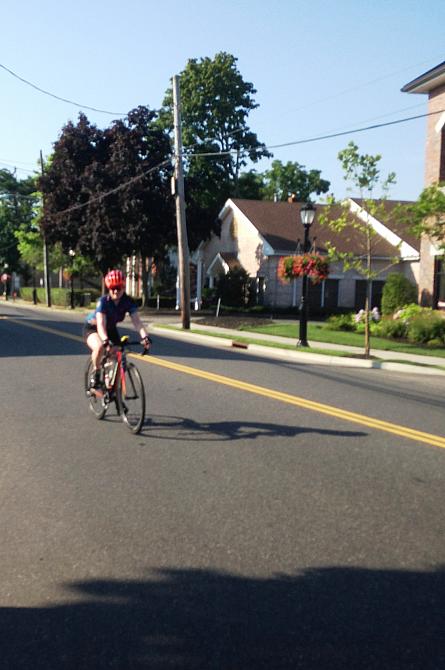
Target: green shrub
x=374, y=328
x=393, y=328
x=233, y=288
x=435, y=343
x=410, y=311
x=26, y=293
x=61, y=297
x=341, y=322
x=397, y=292
x=426, y=327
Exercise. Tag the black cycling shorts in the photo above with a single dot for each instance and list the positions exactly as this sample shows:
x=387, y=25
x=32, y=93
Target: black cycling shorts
x=112, y=333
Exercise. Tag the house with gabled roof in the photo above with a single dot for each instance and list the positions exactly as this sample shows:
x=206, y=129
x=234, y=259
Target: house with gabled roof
x=256, y=233
x=432, y=264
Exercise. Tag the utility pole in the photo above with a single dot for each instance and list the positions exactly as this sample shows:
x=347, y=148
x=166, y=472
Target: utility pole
x=183, y=250
x=45, y=256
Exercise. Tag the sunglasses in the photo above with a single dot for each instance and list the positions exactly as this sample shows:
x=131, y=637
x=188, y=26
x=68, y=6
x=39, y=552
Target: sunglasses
x=117, y=288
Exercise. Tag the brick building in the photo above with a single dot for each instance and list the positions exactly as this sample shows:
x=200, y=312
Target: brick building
x=432, y=266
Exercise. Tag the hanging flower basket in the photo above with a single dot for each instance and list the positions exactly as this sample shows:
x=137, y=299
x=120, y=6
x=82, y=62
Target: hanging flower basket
x=314, y=266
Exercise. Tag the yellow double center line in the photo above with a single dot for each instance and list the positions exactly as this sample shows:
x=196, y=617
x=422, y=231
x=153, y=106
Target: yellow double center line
x=297, y=401
x=403, y=431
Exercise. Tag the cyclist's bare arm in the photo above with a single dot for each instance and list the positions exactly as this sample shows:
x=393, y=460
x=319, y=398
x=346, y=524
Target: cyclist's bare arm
x=101, y=321
x=139, y=326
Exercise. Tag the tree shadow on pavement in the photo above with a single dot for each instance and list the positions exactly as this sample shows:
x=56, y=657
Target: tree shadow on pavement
x=335, y=618
x=173, y=428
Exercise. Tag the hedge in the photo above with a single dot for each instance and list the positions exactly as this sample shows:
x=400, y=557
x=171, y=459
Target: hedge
x=59, y=296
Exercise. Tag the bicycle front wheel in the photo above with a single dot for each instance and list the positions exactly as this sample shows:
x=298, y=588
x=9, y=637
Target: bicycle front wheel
x=96, y=402
x=131, y=398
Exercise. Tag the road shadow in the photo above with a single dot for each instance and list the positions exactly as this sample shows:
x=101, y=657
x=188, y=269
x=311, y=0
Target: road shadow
x=178, y=428
x=21, y=336
x=335, y=618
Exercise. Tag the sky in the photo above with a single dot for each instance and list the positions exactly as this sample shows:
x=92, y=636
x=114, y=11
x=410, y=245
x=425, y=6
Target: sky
x=319, y=68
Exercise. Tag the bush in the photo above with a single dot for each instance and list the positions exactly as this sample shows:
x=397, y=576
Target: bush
x=426, y=327
x=393, y=328
x=397, y=292
x=60, y=296
x=209, y=297
x=26, y=293
x=374, y=328
x=233, y=288
x=341, y=322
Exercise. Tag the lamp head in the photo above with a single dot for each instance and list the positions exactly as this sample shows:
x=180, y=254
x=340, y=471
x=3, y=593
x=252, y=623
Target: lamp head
x=307, y=214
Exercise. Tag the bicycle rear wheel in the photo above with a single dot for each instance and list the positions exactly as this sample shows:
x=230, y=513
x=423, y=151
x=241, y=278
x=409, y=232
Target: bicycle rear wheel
x=96, y=402
x=131, y=398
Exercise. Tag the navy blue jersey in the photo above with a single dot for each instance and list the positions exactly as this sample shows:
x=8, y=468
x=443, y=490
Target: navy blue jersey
x=113, y=313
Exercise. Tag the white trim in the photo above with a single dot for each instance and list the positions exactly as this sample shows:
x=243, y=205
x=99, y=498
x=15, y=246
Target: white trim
x=219, y=258
x=440, y=124
x=405, y=250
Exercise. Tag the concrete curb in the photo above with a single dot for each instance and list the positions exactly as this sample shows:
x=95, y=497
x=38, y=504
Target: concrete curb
x=294, y=356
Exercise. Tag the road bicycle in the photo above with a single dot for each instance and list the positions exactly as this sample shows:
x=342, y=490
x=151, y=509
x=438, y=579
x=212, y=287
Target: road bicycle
x=120, y=383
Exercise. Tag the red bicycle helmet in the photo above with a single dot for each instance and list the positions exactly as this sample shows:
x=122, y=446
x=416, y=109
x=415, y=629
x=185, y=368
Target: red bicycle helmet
x=114, y=279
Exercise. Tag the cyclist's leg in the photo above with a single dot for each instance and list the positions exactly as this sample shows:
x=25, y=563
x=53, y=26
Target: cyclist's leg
x=95, y=344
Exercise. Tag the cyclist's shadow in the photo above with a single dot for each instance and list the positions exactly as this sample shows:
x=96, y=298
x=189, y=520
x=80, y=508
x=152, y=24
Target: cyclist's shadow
x=177, y=428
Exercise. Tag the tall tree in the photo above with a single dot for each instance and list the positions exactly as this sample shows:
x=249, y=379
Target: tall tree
x=107, y=191
x=282, y=180
x=363, y=174
x=66, y=184
x=251, y=185
x=18, y=209
x=216, y=102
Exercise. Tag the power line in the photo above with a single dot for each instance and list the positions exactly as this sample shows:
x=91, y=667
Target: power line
x=352, y=89
x=18, y=195
x=16, y=167
x=319, y=137
x=7, y=161
x=58, y=97
x=228, y=153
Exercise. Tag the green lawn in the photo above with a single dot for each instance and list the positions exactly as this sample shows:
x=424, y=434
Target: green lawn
x=322, y=334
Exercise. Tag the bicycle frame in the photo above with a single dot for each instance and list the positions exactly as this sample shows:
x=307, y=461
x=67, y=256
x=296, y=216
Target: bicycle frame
x=114, y=387
x=118, y=369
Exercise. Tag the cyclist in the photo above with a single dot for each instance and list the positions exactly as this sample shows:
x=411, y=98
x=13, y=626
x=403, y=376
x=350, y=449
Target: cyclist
x=100, y=329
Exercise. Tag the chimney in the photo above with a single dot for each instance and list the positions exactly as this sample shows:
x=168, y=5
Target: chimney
x=292, y=198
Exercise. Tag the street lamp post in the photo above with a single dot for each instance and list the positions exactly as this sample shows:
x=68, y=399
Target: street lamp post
x=307, y=214
x=72, y=253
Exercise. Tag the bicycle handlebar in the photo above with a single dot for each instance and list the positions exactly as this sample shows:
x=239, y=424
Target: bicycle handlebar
x=128, y=343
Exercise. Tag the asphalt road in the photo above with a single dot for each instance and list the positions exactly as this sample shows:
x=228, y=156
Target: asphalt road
x=240, y=530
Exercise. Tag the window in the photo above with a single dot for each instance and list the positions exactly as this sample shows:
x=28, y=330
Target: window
x=376, y=294
x=330, y=293
x=324, y=294
x=314, y=292
x=439, y=283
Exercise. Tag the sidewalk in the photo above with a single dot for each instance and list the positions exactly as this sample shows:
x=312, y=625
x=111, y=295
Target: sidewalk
x=386, y=360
